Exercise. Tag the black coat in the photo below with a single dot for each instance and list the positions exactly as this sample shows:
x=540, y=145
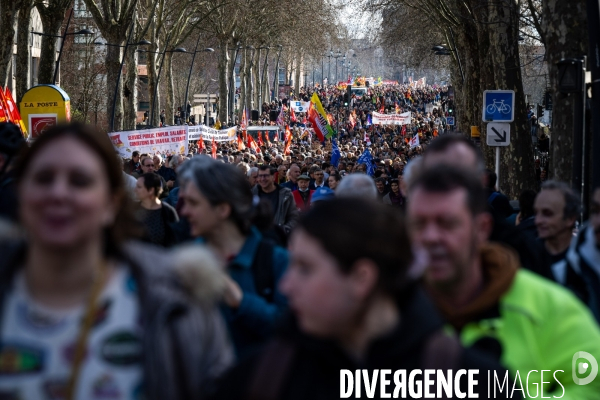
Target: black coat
x=314, y=370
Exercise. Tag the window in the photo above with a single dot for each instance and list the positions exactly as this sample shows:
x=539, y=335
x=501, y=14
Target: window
x=80, y=10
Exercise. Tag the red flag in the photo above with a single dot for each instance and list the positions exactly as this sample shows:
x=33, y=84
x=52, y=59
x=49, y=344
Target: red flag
x=200, y=144
x=267, y=138
x=252, y=144
x=240, y=143
x=259, y=140
x=276, y=137
x=382, y=109
x=15, y=116
x=403, y=130
x=293, y=115
x=4, y=116
x=214, y=148
x=4, y=106
x=317, y=124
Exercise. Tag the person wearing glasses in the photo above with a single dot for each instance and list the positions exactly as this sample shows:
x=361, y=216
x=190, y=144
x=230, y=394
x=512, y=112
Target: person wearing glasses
x=147, y=167
x=285, y=214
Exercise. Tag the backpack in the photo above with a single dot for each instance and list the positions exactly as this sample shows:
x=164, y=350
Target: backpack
x=262, y=270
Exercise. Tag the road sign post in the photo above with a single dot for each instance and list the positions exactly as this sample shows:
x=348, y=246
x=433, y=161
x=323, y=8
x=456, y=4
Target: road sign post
x=498, y=135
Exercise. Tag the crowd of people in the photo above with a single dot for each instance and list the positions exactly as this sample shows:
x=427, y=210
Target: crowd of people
x=262, y=273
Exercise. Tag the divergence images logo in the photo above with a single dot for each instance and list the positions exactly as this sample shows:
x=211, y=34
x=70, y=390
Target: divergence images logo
x=581, y=367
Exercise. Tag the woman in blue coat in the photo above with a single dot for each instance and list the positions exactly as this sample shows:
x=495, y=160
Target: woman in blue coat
x=221, y=210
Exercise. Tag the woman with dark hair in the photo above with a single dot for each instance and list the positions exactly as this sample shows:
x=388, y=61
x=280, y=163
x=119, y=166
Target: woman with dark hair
x=334, y=180
x=394, y=198
x=83, y=309
x=353, y=308
x=221, y=210
x=157, y=217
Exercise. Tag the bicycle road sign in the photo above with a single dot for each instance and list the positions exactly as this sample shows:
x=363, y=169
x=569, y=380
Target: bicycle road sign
x=498, y=106
x=450, y=121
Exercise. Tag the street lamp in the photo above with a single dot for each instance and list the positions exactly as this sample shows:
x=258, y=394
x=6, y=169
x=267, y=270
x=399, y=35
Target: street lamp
x=187, y=86
x=62, y=42
x=442, y=50
x=336, y=56
x=162, y=61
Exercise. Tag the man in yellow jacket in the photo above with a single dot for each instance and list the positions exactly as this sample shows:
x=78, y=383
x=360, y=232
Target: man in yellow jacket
x=539, y=331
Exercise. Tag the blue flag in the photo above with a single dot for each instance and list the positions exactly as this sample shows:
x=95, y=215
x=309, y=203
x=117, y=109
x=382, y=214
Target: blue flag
x=367, y=158
x=335, y=154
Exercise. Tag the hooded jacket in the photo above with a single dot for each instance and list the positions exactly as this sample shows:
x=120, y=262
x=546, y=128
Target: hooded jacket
x=185, y=345
x=529, y=323
x=312, y=371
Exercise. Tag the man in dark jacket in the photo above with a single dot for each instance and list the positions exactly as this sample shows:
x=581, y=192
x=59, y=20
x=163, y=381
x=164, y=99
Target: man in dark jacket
x=280, y=198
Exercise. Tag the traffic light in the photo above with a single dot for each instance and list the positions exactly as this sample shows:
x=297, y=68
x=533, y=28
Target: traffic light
x=540, y=111
x=451, y=108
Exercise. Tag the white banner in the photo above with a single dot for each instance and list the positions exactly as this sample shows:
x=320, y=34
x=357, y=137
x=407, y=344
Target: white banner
x=392, y=119
x=207, y=133
x=167, y=140
x=300, y=106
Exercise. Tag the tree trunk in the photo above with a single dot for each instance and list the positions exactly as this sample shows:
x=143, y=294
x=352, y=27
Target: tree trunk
x=298, y=62
x=565, y=31
x=249, y=66
x=8, y=14
x=170, y=99
x=151, y=62
x=113, y=64
x=130, y=92
x=23, y=40
x=256, y=76
x=517, y=160
x=52, y=17
x=242, y=99
x=223, y=67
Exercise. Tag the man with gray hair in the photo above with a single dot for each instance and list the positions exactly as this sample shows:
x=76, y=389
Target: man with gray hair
x=252, y=176
x=557, y=208
x=357, y=185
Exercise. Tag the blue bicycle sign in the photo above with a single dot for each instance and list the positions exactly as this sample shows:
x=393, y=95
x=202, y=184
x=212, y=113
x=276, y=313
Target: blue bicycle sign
x=498, y=106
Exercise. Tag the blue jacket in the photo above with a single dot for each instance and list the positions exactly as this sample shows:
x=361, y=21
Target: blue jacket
x=253, y=323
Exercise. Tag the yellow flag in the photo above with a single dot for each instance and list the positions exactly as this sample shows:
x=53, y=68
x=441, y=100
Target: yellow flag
x=218, y=125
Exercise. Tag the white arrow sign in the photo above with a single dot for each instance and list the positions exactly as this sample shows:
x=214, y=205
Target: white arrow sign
x=498, y=134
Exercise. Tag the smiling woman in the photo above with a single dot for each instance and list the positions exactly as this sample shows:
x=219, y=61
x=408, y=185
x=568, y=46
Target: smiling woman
x=76, y=299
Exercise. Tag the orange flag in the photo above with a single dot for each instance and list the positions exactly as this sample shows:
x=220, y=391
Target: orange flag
x=240, y=142
x=200, y=144
x=288, y=141
x=214, y=148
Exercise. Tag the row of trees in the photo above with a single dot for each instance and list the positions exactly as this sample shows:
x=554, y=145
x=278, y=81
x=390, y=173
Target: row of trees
x=257, y=33
x=485, y=37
